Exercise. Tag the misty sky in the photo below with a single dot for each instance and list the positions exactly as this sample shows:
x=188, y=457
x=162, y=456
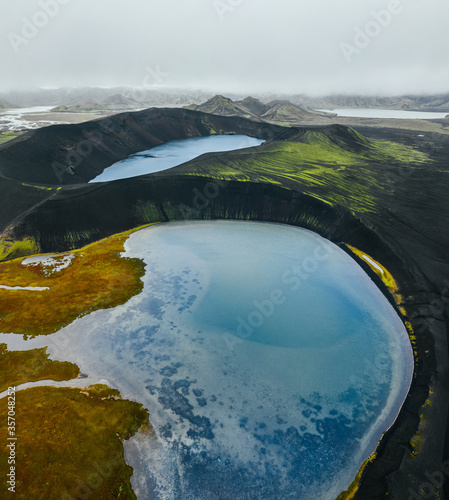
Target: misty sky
x=290, y=46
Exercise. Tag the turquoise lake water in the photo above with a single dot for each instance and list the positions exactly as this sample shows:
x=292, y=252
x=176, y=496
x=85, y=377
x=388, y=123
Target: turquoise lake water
x=275, y=361
x=174, y=153
x=269, y=362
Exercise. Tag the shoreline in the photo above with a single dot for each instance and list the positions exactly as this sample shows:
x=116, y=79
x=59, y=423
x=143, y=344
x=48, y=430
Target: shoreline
x=397, y=225
x=82, y=382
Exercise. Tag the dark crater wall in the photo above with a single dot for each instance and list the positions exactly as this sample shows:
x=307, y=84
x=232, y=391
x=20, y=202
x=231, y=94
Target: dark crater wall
x=80, y=214
x=408, y=235
x=72, y=154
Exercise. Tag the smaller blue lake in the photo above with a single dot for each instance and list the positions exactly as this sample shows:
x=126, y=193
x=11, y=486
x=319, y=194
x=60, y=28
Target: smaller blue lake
x=174, y=153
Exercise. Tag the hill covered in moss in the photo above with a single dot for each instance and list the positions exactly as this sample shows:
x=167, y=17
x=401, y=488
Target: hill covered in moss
x=383, y=192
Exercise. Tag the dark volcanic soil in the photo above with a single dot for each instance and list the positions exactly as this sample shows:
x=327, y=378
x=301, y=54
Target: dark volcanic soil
x=405, y=227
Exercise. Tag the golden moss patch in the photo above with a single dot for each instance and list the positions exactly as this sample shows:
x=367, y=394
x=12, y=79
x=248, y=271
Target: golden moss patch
x=353, y=488
x=417, y=442
x=377, y=268
x=412, y=336
x=385, y=275
x=69, y=443
x=18, y=367
x=98, y=277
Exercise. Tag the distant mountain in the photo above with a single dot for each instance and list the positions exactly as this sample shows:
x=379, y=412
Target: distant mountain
x=285, y=111
x=437, y=103
x=224, y=106
x=111, y=99
x=164, y=97
x=77, y=107
x=93, y=98
x=118, y=100
x=253, y=105
x=281, y=112
x=114, y=103
x=55, y=97
x=6, y=105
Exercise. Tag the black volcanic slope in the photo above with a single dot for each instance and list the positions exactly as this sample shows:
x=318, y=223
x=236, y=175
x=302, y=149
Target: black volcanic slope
x=389, y=199
x=77, y=153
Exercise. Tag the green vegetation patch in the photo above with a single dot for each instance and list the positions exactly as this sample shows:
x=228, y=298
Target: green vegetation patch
x=385, y=151
x=18, y=367
x=98, y=277
x=12, y=249
x=342, y=169
x=69, y=443
x=317, y=148
x=44, y=188
x=318, y=171
x=8, y=136
x=210, y=127
x=147, y=211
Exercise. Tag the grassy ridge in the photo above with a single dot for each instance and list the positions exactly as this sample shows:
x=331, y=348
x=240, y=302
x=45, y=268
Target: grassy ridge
x=321, y=165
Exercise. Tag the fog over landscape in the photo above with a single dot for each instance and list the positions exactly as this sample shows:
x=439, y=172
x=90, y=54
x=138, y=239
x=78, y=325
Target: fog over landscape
x=244, y=46
x=224, y=249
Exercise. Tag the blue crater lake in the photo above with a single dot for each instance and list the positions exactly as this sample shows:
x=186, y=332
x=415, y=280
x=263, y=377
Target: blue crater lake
x=174, y=153
x=269, y=362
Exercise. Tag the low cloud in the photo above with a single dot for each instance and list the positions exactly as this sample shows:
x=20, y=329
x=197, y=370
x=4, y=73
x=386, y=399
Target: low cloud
x=248, y=46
